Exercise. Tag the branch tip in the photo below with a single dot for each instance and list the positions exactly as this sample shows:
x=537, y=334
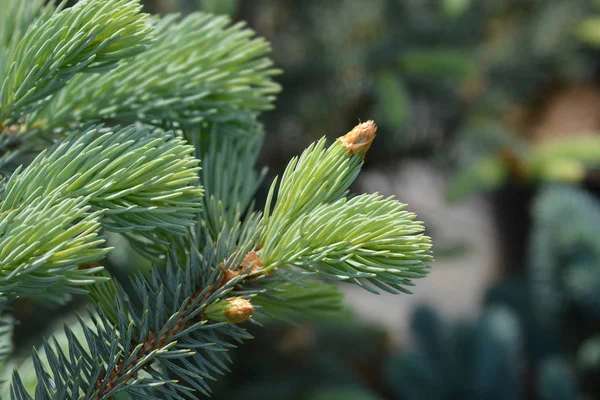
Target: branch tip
x=360, y=138
x=238, y=310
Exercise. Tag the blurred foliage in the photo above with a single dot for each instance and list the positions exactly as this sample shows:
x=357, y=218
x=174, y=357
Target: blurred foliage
x=467, y=361
x=342, y=394
x=227, y=7
x=565, y=255
x=481, y=359
x=325, y=361
x=556, y=381
x=557, y=303
x=428, y=71
x=562, y=159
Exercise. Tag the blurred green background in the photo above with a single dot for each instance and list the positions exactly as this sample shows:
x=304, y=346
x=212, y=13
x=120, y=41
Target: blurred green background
x=488, y=114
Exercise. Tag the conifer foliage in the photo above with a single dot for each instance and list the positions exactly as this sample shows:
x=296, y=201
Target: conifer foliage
x=105, y=114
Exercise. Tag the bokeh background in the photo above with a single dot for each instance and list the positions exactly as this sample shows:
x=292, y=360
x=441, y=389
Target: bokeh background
x=488, y=115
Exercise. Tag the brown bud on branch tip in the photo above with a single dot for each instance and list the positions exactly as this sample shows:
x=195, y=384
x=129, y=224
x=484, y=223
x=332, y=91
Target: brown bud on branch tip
x=359, y=139
x=238, y=310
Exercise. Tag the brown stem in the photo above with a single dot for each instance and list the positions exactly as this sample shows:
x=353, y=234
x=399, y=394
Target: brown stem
x=153, y=343
x=150, y=344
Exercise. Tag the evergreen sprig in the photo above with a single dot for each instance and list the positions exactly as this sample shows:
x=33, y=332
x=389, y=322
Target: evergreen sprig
x=90, y=36
x=172, y=329
x=141, y=180
x=366, y=239
x=318, y=176
x=43, y=243
x=198, y=68
x=125, y=179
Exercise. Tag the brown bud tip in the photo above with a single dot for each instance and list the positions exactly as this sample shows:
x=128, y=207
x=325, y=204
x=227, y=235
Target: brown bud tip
x=238, y=310
x=228, y=275
x=359, y=139
x=252, y=258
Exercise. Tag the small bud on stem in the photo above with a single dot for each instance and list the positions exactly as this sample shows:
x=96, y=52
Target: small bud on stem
x=234, y=310
x=252, y=258
x=239, y=310
x=359, y=139
x=228, y=275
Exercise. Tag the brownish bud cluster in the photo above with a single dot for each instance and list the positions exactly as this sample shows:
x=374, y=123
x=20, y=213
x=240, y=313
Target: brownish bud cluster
x=360, y=138
x=252, y=259
x=238, y=310
x=228, y=275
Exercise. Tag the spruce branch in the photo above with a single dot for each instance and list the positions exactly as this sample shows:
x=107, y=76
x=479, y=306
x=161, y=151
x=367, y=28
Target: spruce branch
x=163, y=344
x=318, y=176
x=43, y=242
x=90, y=36
x=141, y=180
x=216, y=261
x=364, y=240
x=125, y=179
x=199, y=68
x=172, y=338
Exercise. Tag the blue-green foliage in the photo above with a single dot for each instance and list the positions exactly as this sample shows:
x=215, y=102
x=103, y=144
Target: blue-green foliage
x=90, y=36
x=217, y=73
x=229, y=186
x=161, y=323
x=478, y=360
x=556, y=381
x=564, y=254
x=128, y=179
